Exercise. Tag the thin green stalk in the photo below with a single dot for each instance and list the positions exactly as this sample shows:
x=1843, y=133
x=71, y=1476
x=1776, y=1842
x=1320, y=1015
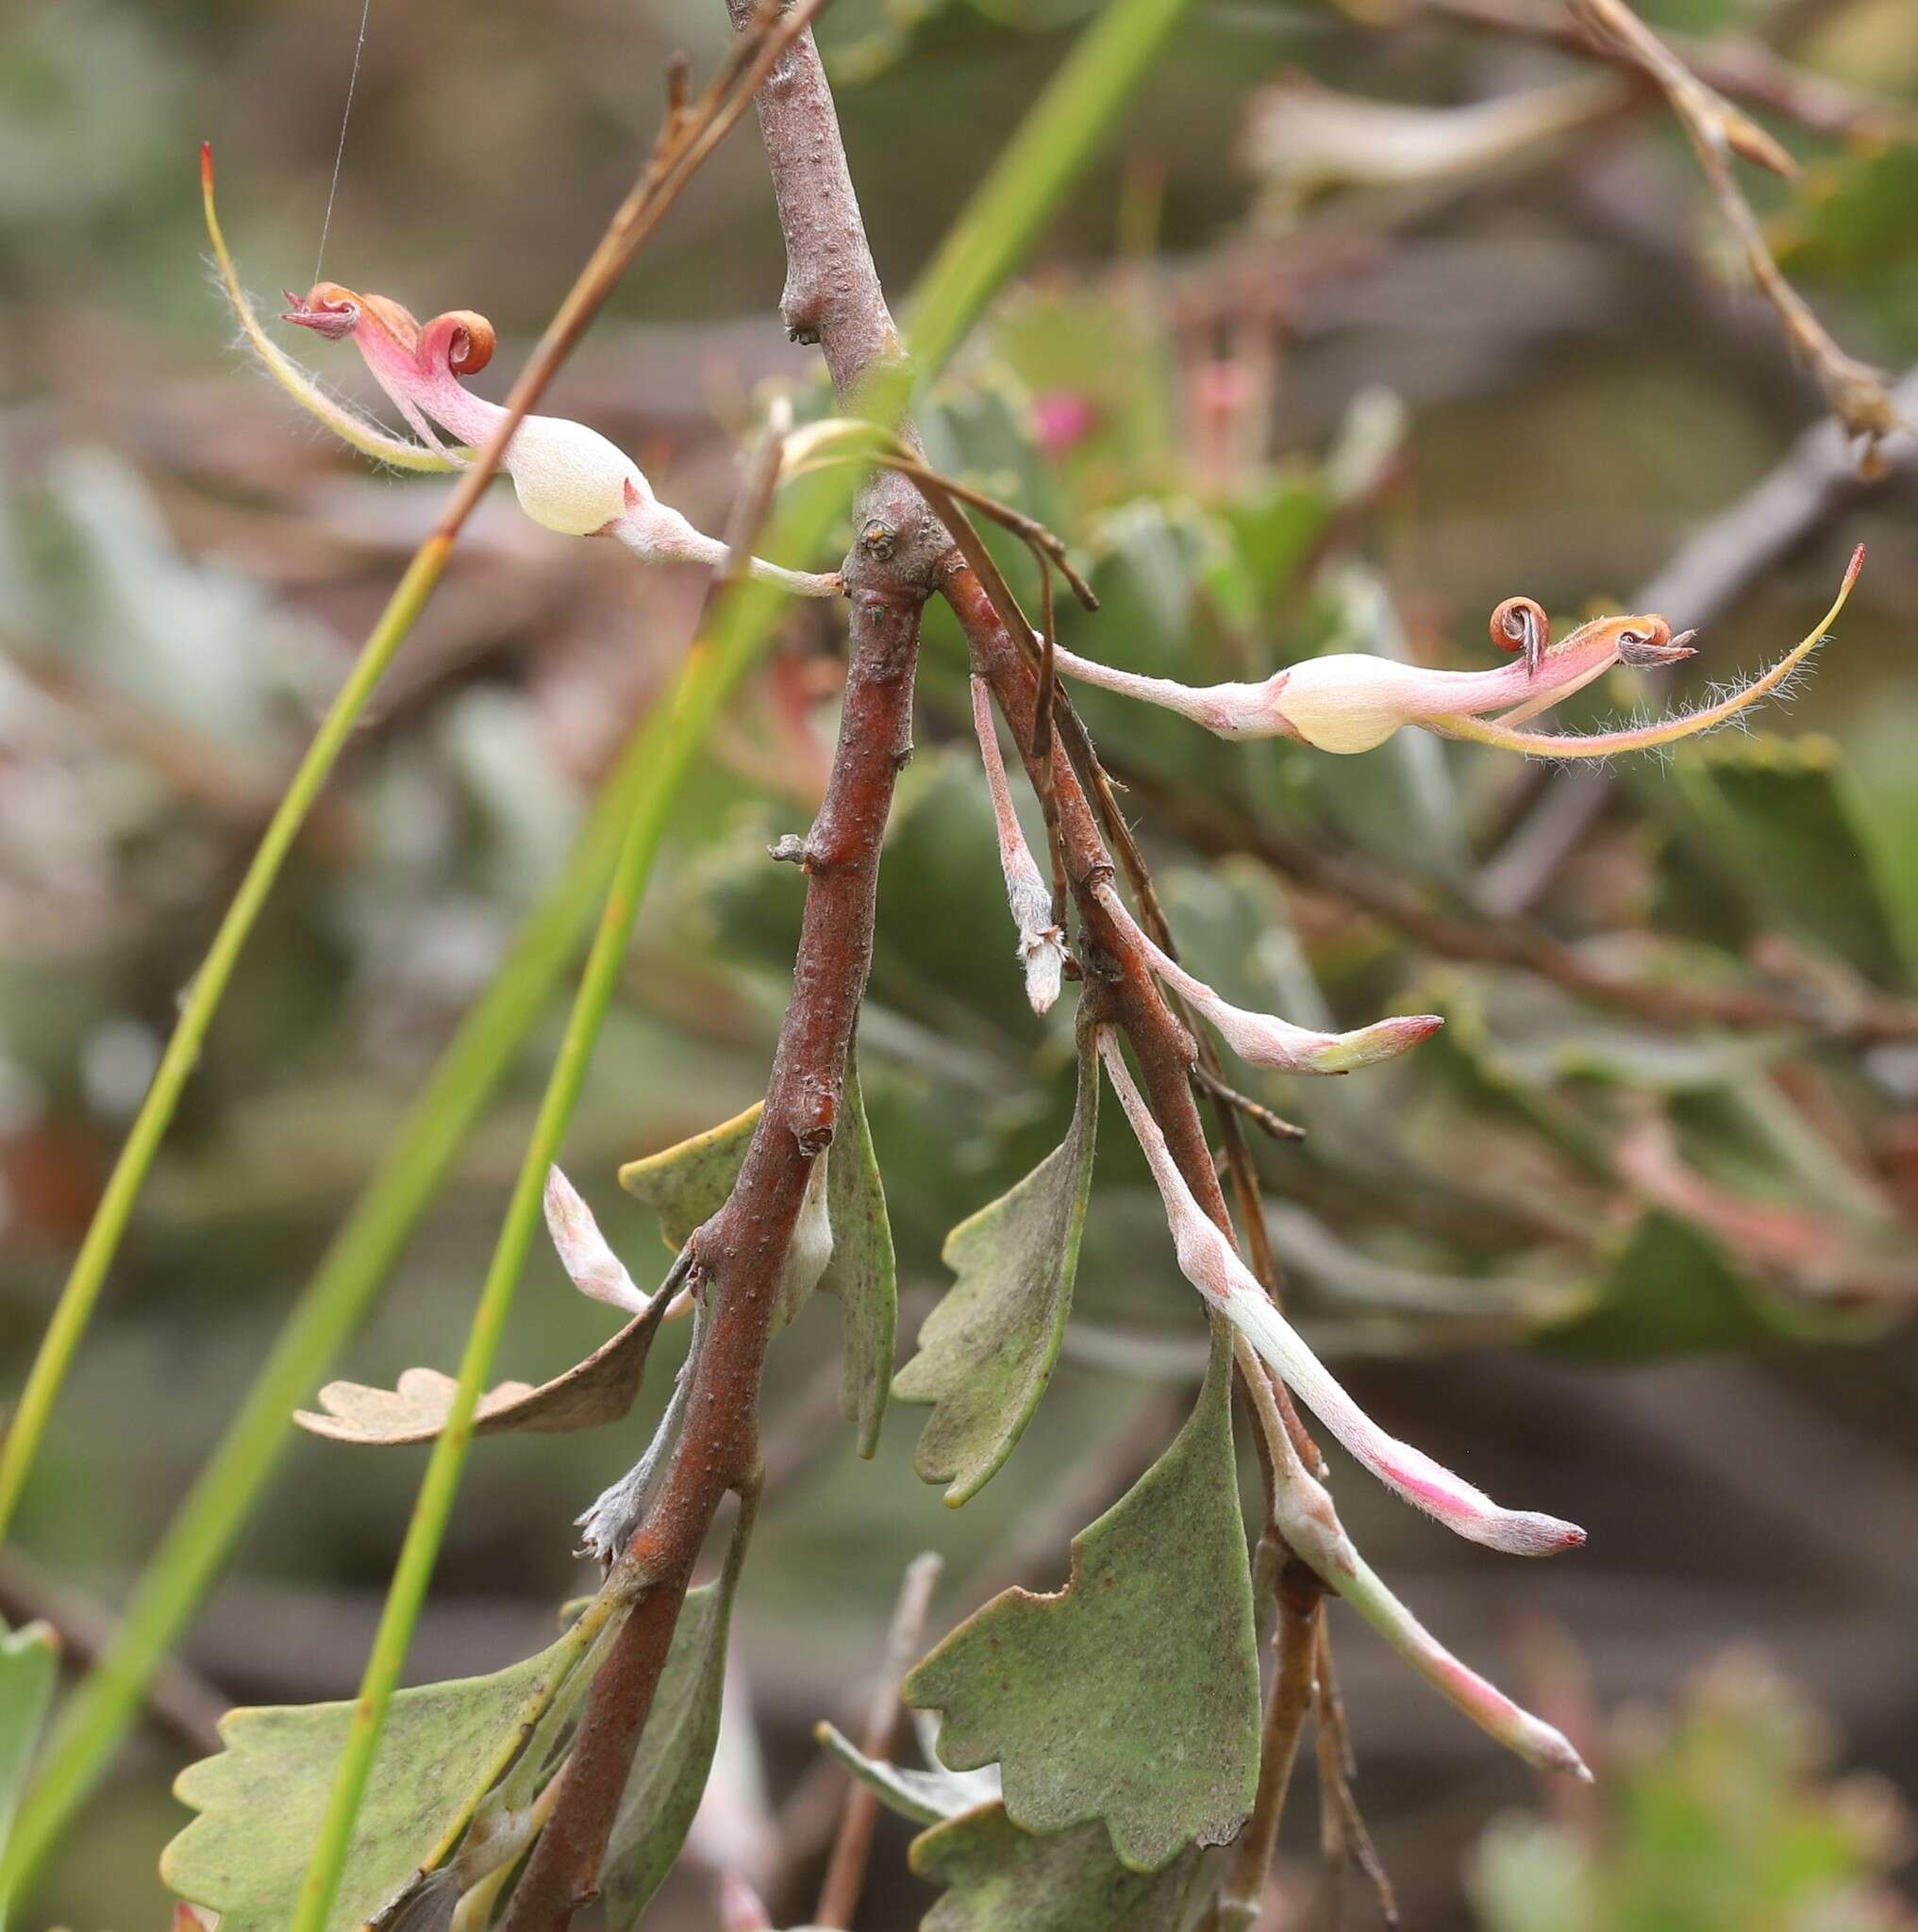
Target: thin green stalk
x=357, y=1263
x=1109, y=62
x=708, y=677
x=82, y=1290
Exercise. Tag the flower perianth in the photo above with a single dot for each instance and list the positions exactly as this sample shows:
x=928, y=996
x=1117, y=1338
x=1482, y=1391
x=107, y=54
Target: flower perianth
x=567, y=478
x=1263, y=1039
x=1351, y=701
x=1206, y=1260
x=1303, y=1514
x=1042, y=944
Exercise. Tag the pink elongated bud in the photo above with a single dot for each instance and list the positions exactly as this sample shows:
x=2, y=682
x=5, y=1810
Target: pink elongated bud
x=1262, y=1040
x=1304, y=1515
x=1042, y=944
x=1206, y=1260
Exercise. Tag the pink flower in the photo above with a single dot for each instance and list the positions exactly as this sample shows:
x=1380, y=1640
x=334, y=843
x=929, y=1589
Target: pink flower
x=1061, y=419
x=568, y=477
x=1209, y=1262
x=1351, y=701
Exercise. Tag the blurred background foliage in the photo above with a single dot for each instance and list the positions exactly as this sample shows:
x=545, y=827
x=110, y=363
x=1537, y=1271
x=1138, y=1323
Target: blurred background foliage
x=1651, y=1268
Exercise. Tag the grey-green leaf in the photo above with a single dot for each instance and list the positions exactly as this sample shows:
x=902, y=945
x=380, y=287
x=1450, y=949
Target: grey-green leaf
x=687, y=1184
x=998, y=1878
x=926, y=1797
x=669, y=1774
x=262, y=1801
x=863, y=1272
x=987, y=1352
x=29, y=1661
x=1131, y=1695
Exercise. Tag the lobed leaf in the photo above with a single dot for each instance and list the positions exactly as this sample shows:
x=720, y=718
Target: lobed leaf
x=591, y=1393
x=668, y=1773
x=998, y=1878
x=263, y=1800
x=987, y=1352
x=1131, y=1695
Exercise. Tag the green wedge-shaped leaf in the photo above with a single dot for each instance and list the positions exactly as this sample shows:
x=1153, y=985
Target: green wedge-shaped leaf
x=676, y=1752
x=998, y=1878
x=687, y=1184
x=29, y=1661
x=1131, y=1695
x=988, y=1350
x=262, y=1801
x=863, y=1272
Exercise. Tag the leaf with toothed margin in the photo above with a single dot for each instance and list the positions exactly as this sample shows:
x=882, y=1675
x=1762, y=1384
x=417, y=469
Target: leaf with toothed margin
x=687, y=1184
x=668, y=1777
x=262, y=1801
x=997, y=1878
x=1131, y=1695
x=29, y=1663
x=988, y=1350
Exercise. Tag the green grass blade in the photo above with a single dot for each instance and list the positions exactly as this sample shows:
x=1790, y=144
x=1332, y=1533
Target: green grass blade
x=89, y=1275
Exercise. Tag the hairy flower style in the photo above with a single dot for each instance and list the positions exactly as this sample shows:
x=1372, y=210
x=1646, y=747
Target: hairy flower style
x=1208, y=1260
x=1352, y=702
x=1262, y=1040
x=1304, y=1515
x=1041, y=945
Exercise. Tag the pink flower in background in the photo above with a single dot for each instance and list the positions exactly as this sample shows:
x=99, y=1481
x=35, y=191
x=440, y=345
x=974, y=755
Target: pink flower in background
x=1061, y=419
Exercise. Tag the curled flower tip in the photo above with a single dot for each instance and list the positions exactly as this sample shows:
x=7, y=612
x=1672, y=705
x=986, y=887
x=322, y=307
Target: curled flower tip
x=1042, y=944
x=589, y=1262
x=1642, y=641
x=1520, y=624
x=1262, y=1040
x=1208, y=1259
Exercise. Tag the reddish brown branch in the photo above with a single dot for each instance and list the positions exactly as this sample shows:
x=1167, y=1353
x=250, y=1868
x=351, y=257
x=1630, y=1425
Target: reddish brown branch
x=834, y=295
